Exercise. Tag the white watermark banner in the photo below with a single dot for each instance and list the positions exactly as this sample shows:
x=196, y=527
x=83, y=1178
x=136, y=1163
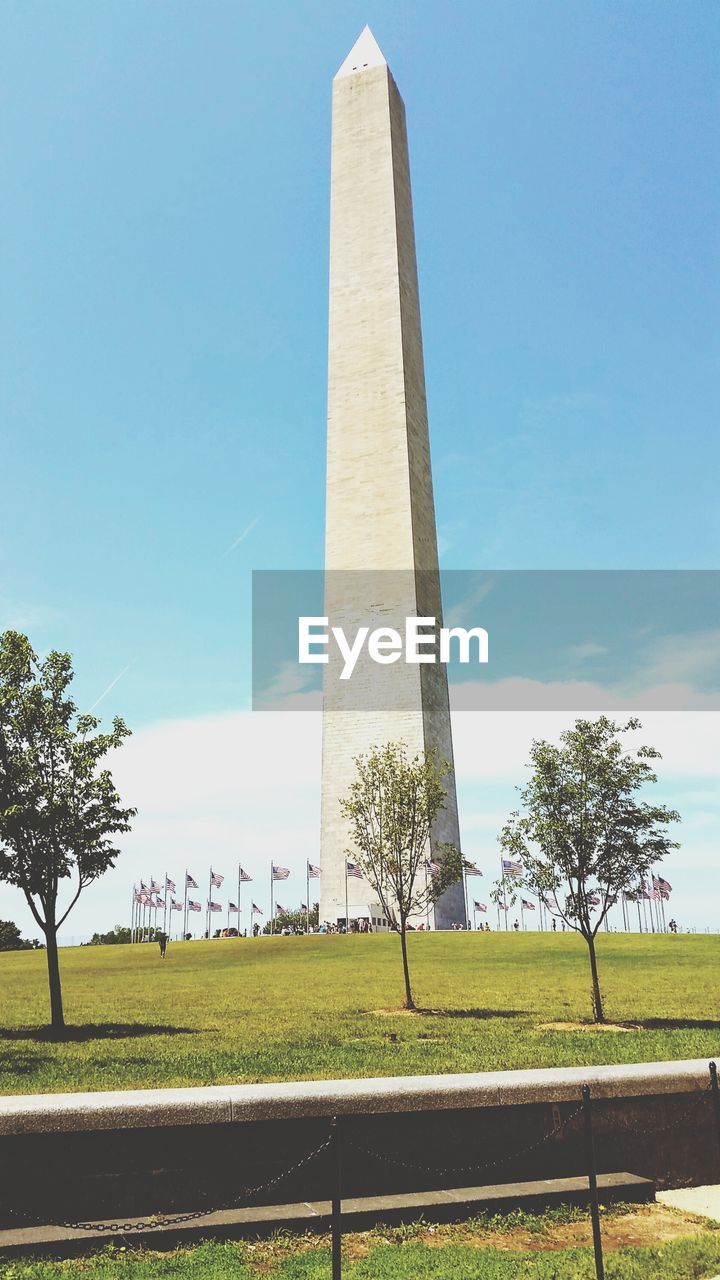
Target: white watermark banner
x=507, y=640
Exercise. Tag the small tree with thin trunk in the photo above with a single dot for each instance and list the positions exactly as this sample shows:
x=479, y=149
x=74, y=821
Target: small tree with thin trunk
x=58, y=808
x=584, y=835
x=391, y=807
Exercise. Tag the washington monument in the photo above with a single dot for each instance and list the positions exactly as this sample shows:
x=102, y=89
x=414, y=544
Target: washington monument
x=381, y=556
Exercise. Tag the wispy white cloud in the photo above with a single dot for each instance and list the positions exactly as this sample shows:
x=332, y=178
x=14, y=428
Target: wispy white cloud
x=289, y=691
x=246, y=785
x=18, y=615
x=242, y=536
x=580, y=696
x=693, y=658
x=461, y=614
x=111, y=685
x=584, y=651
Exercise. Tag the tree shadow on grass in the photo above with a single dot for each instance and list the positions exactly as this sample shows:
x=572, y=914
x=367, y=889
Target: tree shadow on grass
x=22, y=1064
x=480, y=1015
x=675, y=1024
x=95, y=1031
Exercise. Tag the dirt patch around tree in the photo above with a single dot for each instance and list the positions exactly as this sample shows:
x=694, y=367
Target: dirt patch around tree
x=611, y=1027
x=640, y=1226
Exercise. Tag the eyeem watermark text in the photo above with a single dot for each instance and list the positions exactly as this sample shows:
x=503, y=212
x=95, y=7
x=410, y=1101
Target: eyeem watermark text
x=422, y=642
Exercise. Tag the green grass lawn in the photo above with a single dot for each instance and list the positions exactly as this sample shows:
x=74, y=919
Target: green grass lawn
x=296, y=1008
x=534, y=1248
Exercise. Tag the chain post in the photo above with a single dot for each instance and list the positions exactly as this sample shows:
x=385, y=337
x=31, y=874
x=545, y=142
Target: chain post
x=336, y=1203
x=715, y=1099
x=592, y=1183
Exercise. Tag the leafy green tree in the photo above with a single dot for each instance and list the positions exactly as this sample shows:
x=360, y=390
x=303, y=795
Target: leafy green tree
x=11, y=940
x=114, y=936
x=391, y=808
x=584, y=835
x=58, y=808
x=295, y=920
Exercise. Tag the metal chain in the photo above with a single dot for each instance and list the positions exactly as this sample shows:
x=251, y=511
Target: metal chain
x=672, y=1124
x=177, y=1219
x=466, y=1168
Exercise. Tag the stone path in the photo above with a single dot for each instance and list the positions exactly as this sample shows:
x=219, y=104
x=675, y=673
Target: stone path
x=702, y=1200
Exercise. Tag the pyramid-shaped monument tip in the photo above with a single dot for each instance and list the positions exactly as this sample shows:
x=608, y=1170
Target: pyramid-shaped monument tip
x=365, y=53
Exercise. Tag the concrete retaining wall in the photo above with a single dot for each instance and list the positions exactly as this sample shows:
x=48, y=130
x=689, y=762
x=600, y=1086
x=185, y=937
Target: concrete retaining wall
x=136, y=1152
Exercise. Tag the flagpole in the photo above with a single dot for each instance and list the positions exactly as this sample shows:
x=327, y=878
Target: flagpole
x=522, y=915
x=165, y=905
x=658, y=906
x=427, y=898
x=185, y=928
x=238, y=899
x=347, y=913
x=504, y=891
x=307, y=896
x=132, y=917
x=467, y=909
x=272, y=900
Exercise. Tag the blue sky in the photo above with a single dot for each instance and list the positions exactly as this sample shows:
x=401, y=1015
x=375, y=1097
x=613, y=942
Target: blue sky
x=163, y=242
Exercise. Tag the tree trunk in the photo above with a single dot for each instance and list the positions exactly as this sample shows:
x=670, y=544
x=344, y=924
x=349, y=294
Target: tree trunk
x=409, y=1002
x=57, y=1017
x=598, y=1011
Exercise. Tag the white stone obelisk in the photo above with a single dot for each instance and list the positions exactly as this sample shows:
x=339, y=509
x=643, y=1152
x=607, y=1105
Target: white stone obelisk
x=381, y=544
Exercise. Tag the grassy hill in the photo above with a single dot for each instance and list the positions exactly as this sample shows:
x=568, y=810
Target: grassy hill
x=237, y=1010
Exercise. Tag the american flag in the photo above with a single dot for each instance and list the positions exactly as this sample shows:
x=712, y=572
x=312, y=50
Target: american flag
x=215, y=878
x=593, y=899
x=139, y=897
x=256, y=910
x=651, y=895
x=303, y=906
x=352, y=869
x=160, y=902
x=313, y=872
x=193, y=906
x=432, y=867
x=154, y=886
x=232, y=907
x=170, y=884
x=280, y=873
x=612, y=899
x=215, y=906
x=280, y=911
x=630, y=895
x=527, y=906
x=176, y=906
x=480, y=906
x=511, y=868
x=243, y=876
x=471, y=870
x=143, y=886
x=190, y=883
x=664, y=886
x=551, y=902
